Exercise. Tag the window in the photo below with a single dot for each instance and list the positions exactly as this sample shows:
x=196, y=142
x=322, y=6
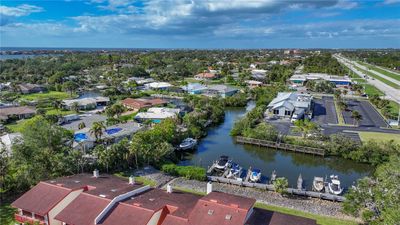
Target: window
x=276, y=111
x=287, y=113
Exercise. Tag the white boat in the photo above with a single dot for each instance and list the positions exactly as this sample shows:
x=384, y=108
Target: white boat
x=255, y=175
x=188, y=143
x=235, y=172
x=222, y=163
x=318, y=184
x=273, y=177
x=334, y=185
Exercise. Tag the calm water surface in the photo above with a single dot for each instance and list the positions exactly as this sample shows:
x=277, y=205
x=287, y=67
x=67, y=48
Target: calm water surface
x=287, y=164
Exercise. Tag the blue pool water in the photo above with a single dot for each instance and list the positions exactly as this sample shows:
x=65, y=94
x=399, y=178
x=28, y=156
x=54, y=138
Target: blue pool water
x=156, y=121
x=113, y=130
x=80, y=137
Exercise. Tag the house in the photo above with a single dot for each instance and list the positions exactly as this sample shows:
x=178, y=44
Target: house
x=253, y=83
x=156, y=114
x=18, y=112
x=205, y=76
x=8, y=140
x=301, y=79
x=141, y=80
x=85, y=199
x=220, y=90
x=141, y=103
x=86, y=103
x=194, y=88
x=258, y=74
x=287, y=103
x=158, y=85
x=31, y=88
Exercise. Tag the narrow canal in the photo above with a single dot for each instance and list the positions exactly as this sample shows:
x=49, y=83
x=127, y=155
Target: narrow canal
x=287, y=164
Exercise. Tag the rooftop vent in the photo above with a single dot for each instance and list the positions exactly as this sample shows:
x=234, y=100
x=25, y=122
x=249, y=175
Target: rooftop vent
x=103, y=196
x=169, y=188
x=137, y=204
x=213, y=200
x=228, y=217
x=210, y=212
x=77, y=181
x=60, y=185
x=209, y=187
x=131, y=179
x=151, y=199
x=113, y=190
x=52, y=181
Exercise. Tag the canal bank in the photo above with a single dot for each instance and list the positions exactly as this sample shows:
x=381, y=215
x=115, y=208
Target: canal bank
x=287, y=164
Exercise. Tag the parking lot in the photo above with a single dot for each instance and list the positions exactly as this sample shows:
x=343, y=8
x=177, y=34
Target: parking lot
x=88, y=119
x=370, y=117
x=324, y=111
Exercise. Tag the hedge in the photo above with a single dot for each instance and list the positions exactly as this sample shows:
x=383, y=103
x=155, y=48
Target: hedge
x=188, y=172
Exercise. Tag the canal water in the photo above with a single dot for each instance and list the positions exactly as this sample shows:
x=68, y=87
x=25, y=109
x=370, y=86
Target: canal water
x=287, y=164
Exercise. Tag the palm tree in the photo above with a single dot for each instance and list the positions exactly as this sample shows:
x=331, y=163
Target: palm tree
x=81, y=125
x=280, y=185
x=97, y=130
x=357, y=117
x=57, y=104
x=342, y=105
x=305, y=127
x=75, y=107
x=118, y=109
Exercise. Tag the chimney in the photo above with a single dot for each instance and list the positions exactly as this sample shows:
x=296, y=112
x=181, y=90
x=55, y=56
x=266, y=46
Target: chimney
x=96, y=173
x=132, y=180
x=209, y=187
x=169, y=188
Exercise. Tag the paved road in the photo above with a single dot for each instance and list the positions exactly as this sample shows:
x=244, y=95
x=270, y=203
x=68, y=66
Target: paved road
x=390, y=92
x=324, y=111
x=370, y=117
x=376, y=73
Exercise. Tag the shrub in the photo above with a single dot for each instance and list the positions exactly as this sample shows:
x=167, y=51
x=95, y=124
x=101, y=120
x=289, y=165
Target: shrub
x=188, y=172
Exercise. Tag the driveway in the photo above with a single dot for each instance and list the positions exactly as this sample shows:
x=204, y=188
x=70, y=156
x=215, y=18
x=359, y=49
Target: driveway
x=370, y=117
x=324, y=111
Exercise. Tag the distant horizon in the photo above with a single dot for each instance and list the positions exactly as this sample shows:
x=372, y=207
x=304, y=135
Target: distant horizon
x=201, y=24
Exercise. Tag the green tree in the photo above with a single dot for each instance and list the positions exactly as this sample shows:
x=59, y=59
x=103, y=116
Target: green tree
x=75, y=107
x=357, y=117
x=280, y=185
x=81, y=125
x=305, y=127
x=97, y=130
x=70, y=86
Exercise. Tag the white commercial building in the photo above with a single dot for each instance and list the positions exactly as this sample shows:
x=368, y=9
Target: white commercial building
x=286, y=104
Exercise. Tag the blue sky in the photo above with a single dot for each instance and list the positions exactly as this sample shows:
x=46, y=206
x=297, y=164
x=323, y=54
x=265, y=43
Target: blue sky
x=200, y=23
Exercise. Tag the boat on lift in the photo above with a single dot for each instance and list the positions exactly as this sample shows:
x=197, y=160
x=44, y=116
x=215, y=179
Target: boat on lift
x=222, y=163
x=255, y=175
x=334, y=186
x=188, y=143
x=235, y=172
x=318, y=184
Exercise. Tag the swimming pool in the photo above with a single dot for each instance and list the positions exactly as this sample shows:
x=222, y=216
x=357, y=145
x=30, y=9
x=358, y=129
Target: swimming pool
x=113, y=130
x=80, y=137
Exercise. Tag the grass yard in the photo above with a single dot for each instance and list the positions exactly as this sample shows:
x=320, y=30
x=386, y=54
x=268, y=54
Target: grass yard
x=372, y=90
x=17, y=126
x=7, y=214
x=366, y=136
x=51, y=94
x=59, y=112
x=339, y=115
x=323, y=220
x=143, y=180
x=128, y=117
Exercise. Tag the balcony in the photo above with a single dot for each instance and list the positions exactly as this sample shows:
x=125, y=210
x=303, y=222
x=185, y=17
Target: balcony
x=29, y=220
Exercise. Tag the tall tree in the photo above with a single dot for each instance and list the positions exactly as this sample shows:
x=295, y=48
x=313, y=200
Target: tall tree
x=357, y=117
x=97, y=130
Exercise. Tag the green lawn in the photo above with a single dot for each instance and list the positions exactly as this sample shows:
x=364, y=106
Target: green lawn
x=51, y=94
x=366, y=136
x=339, y=114
x=128, y=117
x=379, y=70
x=7, y=214
x=323, y=220
x=394, y=107
x=372, y=90
x=143, y=180
x=378, y=77
x=17, y=126
x=59, y=112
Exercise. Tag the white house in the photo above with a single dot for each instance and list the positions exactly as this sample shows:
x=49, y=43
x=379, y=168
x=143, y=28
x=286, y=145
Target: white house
x=286, y=103
x=158, y=85
x=156, y=114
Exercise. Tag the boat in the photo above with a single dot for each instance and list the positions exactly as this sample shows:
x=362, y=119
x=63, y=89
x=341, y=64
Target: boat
x=222, y=163
x=188, y=143
x=300, y=182
x=235, y=172
x=318, y=184
x=273, y=177
x=255, y=175
x=334, y=185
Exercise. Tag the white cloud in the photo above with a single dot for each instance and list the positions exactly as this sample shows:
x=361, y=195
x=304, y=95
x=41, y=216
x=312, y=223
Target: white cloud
x=389, y=2
x=18, y=11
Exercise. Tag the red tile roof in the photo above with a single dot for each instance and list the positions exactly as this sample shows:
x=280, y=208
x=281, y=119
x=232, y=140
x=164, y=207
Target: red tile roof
x=140, y=103
x=206, y=75
x=83, y=210
x=41, y=198
x=124, y=214
x=221, y=209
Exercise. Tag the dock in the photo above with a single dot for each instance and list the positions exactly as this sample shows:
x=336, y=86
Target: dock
x=283, y=146
x=270, y=187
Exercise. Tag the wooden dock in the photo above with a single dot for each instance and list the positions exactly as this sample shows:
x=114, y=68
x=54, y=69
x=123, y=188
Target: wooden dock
x=270, y=187
x=283, y=146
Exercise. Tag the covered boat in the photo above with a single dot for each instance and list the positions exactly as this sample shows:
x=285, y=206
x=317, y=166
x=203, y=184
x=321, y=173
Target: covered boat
x=255, y=175
x=334, y=185
x=318, y=184
x=188, y=143
x=222, y=163
x=235, y=171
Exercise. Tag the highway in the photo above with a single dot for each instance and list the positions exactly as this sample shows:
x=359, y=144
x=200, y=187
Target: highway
x=390, y=92
x=376, y=73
